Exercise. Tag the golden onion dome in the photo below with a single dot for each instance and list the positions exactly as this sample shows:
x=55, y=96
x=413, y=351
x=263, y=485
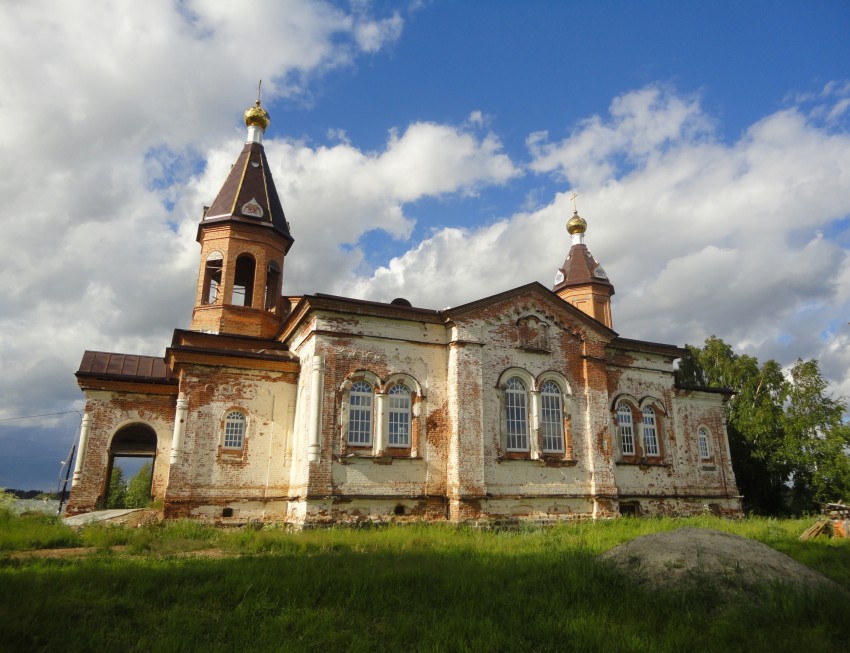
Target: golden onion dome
x=256, y=116
x=576, y=224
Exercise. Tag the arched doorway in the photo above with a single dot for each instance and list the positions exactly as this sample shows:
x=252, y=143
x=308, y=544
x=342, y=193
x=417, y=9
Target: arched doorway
x=132, y=451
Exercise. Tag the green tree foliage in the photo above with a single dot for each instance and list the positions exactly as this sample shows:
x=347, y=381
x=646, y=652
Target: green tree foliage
x=786, y=434
x=817, y=438
x=7, y=501
x=138, y=489
x=117, y=489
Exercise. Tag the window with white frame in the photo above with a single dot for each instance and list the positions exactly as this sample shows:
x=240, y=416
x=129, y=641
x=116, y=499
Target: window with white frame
x=516, y=415
x=650, y=433
x=627, y=432
x=399, y=416
x=234, y=430
x=551, y=417
x=702, y=439
x=360, y=414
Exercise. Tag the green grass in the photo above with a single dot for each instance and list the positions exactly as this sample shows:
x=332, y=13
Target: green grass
x=417, y=588
x=34, y=531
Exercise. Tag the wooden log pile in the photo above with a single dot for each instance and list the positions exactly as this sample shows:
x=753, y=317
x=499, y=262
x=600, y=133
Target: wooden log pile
x=834, y=523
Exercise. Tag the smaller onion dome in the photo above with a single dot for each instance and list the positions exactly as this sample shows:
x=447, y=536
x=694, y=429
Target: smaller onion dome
x=576, y=224
x=256, y=116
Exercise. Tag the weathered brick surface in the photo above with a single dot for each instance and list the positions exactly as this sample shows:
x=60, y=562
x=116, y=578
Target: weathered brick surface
x=112, y=407
x=457, y=467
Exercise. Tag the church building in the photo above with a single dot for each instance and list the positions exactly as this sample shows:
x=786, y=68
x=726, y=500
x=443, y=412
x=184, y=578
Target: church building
x=317, y=409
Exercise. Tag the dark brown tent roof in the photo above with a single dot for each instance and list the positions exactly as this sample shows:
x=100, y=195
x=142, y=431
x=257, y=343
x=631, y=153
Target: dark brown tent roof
x=580, y=268
x=249, y=195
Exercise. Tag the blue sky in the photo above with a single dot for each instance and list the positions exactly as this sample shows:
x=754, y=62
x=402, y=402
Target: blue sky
x=421, y=149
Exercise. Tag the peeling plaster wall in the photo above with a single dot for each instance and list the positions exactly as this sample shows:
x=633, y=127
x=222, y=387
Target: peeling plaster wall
x=458, y=466
x=208, y=478
x=385, y=348
x=679, y=481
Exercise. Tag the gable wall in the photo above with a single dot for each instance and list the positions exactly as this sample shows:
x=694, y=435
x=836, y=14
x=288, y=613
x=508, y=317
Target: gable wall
x=549, y=486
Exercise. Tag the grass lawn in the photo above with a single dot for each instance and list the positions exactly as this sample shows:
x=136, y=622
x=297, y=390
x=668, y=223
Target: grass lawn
x=399, y=588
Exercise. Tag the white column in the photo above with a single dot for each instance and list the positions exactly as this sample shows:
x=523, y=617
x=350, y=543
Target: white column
x=534, y=425
x=313, y=443
x=179, y=428
x=380, y=440
x=85, y=430
x=417, y=410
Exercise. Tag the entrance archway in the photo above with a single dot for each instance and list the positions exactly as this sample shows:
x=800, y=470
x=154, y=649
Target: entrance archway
x=132, y=443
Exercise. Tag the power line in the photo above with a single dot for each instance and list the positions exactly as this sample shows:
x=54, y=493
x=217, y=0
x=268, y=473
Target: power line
x=64, y=412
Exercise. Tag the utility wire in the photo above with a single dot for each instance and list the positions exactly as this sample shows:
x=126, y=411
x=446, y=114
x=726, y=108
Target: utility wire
x=64, y=412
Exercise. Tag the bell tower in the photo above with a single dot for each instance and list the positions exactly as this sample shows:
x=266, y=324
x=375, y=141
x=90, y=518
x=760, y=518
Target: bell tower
x=581, y=280
x=244, y=239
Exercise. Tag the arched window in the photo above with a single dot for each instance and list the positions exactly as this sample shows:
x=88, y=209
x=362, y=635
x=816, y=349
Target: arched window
x=551, y=417
x=703, y=440
x=627, y=432
x=650, y=433
x=399, y=416
x=234, y=430
x=243, y=281
x=516, y=415
x=272, y=286
x=212, y=278
x=360, y=414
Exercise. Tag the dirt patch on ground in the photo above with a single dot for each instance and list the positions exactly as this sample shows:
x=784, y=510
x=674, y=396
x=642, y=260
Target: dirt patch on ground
x=83, y=551
x=688, y=556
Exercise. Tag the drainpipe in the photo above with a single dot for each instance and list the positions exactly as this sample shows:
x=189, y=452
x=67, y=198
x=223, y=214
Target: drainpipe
x=85, y=429
x=313, y=445
x=179, y=428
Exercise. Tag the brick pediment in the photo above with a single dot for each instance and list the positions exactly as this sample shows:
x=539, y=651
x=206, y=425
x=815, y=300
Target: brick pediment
x=533, y=299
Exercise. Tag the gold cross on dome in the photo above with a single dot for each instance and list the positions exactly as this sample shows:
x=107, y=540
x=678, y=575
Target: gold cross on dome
x=573, y=198
x=259, y=89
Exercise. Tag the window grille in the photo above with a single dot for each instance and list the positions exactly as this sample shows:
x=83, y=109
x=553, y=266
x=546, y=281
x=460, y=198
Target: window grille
x=702, y=438
x=551, y=417
x=650, y=433
x=516, y=409
x=234, y=430
x=399, y=416
x=627, y=434
x=360, y=414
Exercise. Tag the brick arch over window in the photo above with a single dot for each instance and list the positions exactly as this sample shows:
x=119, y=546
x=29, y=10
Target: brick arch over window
x=234, y=428
x=380, y=418
x=516, y=438
x=639, y=428
x=626, y=416
x=704, y=443
x=402, y=408
x=554, y=414
x=653, y=415
x=357, y=412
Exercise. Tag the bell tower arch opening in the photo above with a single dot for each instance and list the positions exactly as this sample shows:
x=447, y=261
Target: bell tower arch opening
x=243, y=281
